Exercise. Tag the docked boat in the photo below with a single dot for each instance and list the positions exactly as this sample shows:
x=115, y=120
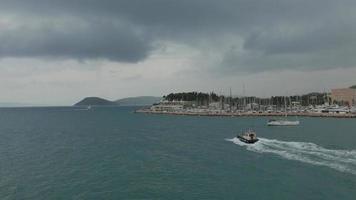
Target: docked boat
x=248, y=137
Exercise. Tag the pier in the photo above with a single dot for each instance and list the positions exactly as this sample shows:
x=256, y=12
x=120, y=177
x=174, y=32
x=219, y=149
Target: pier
x=246, y=114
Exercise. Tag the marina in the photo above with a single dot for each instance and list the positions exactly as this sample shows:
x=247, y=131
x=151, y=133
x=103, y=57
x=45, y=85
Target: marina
x=340, y=103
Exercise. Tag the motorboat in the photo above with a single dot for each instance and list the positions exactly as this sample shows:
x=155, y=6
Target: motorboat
x=282, y=122
x=248, y=137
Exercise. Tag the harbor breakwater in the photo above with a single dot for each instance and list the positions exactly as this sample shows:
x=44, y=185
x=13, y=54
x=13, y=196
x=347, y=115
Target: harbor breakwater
x=248, y=114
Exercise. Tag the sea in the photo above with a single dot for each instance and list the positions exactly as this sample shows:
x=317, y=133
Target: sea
x=114, y=153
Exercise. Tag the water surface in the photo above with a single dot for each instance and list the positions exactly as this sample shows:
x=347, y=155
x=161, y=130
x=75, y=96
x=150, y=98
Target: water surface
x=113, y=153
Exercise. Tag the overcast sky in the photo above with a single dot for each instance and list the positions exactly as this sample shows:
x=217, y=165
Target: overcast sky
x=55, y=52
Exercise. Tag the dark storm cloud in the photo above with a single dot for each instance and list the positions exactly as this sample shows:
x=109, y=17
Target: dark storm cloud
x=88, y=40
x=275, y=34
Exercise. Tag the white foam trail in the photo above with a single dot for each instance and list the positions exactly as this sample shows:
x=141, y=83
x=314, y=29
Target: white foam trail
x=341, y=160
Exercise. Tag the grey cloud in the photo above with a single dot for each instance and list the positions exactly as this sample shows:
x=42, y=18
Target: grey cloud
x=306, y=39
x=81, y=41
x=276, y=34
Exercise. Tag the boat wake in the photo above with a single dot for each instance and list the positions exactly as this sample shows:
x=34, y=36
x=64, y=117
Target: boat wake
x=341, y=160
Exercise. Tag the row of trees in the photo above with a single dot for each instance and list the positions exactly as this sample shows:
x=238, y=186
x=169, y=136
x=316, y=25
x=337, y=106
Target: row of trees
x=192, y=96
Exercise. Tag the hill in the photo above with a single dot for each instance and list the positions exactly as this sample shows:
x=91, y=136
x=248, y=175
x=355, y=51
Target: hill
x=138, y=101
x=95, y=101
x=353, y=87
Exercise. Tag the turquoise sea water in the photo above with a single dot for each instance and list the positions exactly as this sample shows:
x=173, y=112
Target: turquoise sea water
x=112, y=153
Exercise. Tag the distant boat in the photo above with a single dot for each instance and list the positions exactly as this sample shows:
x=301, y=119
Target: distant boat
x=248, y=137
x=283, y=122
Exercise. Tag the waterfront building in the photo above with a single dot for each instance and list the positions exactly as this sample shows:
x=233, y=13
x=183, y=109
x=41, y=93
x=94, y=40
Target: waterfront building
x=344, y=96
x=171, y=106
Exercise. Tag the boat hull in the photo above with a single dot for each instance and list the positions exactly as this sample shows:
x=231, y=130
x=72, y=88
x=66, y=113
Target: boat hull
x=251, y=141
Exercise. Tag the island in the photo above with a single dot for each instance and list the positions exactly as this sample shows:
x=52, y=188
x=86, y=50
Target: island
x=130, y=101
x=97, y=101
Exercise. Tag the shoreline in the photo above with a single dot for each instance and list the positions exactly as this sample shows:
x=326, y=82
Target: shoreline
x=187, y=113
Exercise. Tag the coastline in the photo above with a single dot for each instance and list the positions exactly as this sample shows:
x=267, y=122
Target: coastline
x=247, y=114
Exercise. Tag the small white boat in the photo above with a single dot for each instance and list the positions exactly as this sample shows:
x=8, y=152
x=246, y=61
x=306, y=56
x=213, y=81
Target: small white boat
x=282, y=122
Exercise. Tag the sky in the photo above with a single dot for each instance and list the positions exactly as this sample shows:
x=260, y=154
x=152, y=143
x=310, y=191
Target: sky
x=57, y=52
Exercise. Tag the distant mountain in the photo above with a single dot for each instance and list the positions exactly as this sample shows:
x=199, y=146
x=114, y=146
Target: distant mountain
x=138, y=101
x=131, y=101
x=95, y=101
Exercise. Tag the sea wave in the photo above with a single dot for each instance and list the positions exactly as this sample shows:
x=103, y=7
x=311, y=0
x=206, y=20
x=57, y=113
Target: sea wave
x=341, y=160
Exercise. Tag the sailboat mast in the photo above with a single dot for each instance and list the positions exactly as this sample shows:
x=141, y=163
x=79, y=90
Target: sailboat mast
x=244, y=97
x=285, y=107
x=230, y=100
